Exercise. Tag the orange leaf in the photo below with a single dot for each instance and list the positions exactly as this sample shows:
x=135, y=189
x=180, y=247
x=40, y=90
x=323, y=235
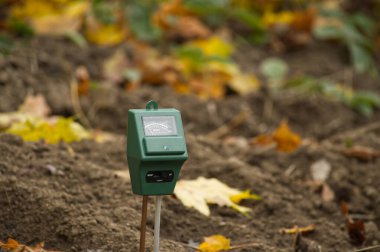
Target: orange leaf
x=287, y=141
x=295, y=230
x=177, y=21
x=83, y=79
x=10, y=245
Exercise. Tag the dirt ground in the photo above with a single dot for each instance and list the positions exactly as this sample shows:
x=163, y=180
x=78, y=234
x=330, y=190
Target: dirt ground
x=75, y=197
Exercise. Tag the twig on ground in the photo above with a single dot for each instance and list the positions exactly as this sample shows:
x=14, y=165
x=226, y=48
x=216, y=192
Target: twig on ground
x=246, y=245
x=354, y=133
x=76, y=104
x=225, y=128
x=367, y=248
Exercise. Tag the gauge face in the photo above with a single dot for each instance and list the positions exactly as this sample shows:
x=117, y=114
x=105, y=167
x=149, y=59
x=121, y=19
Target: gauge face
x=159, y=125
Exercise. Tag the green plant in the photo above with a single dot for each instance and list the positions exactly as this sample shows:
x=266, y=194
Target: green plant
x=364, y=102
x=217, y=12
x=356, y=31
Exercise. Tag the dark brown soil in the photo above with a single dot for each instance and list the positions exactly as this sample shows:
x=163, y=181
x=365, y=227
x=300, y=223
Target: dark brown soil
x=78, y=201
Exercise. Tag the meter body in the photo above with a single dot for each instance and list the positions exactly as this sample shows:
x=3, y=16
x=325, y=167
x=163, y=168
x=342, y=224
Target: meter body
x=156, y=149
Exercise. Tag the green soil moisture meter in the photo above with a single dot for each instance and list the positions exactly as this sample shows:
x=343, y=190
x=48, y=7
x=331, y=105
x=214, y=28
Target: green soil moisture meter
x=156, y=151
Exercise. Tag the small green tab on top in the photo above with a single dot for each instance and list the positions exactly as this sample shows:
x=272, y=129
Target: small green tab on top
x=151, y=105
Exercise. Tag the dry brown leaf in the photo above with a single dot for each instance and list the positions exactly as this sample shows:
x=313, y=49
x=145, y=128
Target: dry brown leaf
x=177, y=21
x=355, y=229
x=304, y=19
x=114, y=66
x=35, y=105
x=362, y=153
x=327, y=194
x=263, y=140
x=287, y=140
x=83, y=80
x=295, y=230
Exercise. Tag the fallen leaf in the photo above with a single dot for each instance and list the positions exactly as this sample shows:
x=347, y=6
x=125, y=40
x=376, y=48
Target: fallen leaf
x=362, y=153
x=64, y=129
x=83, y=79
x=320, y=170
x=304, y=19
x=215, y=243
x=271, y=18
x=287, y=141
x=213, y=47
x=202, y=191
x=244, y=83
x=355, y=228
x=263, y=140
x=11, y=244
x=178, y=22
x=114, y=66
x=51, y=17
x=327, y=194
x=14, y=246
x=105, y=34
x=35, y=105
x=237, y=198
x=295, y=230
x=124, y=174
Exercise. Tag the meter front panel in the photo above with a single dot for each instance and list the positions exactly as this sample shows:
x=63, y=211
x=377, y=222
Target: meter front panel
x=159, y=126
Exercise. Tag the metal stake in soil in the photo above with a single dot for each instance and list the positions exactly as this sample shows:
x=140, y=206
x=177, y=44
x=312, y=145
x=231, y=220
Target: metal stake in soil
x=157, y=217
x=144, y=211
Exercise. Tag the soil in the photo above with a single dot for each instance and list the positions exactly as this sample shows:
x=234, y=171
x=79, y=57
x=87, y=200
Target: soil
x=77, y=197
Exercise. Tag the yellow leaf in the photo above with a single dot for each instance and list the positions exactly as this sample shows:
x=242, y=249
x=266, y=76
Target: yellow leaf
x=271, y=18
x=287, y=141
x=244, y=83
x=105, y=34
x=213, y=46
x=237, y=198
x=202, y=191
x=52, y=17
x=296, y=229
x=215, y=243
x=65, y=129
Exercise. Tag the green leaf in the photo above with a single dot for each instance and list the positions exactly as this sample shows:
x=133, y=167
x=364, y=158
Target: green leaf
x=206, y=7
x=366, y=97
x=20, y=27
x=104, y=11
x=364, y=23
x=364, y=109
x=249, y=18
x=327, y=32
x=139, y=14
x=361, y=58
x=274, y=68
x=77, y=38
x=6, y=44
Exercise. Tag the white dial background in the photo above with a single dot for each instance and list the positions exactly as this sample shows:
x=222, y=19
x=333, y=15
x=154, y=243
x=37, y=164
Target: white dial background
x=159, y=125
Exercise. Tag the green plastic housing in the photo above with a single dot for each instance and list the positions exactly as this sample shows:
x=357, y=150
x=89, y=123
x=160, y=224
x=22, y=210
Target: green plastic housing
x=151, y=155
